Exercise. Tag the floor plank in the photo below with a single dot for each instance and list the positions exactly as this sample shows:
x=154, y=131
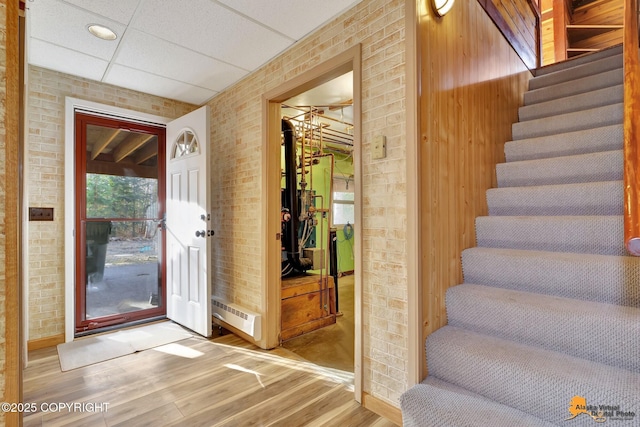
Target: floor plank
x=197, y=382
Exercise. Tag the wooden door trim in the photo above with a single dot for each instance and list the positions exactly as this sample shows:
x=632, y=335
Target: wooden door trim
x=416, y=369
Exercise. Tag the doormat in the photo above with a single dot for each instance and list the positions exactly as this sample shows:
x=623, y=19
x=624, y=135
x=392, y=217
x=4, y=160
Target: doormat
x=87, y=351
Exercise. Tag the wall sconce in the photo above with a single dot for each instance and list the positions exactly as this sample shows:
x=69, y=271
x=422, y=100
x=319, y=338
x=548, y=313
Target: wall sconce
x=441, y=7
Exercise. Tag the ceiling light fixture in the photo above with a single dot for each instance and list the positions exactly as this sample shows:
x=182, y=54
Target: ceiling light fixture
x=102, y=32
x=441, y=7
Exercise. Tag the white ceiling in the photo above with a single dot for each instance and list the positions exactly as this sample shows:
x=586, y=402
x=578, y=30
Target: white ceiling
x=336, y=95
x=187, y=50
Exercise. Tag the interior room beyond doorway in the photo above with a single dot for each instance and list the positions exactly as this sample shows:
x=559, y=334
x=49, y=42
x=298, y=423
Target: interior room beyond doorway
x=318, y=216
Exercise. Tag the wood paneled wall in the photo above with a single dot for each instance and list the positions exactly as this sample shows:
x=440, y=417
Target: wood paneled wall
x=569, y=31
x=518, y=21
x=472, y=83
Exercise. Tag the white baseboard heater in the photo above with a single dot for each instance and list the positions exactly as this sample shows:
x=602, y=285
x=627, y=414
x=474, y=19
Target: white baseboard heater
x=240, y=318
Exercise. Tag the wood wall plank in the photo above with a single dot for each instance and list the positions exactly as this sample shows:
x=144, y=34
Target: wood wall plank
x=472, y=85
x=609, y=11
x=518, y=22
x=11, y=312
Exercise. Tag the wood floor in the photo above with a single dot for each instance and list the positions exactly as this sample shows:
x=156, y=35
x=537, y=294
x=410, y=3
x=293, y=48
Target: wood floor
x=220, y=382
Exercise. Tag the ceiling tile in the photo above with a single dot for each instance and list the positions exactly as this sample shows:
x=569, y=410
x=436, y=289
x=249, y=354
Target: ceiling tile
x=294, y=18
x=118, y=10
x=187, y=50
x=156, y=85
x=46, y=55
x=148, y=53
x=213, y=30
x=65, y=25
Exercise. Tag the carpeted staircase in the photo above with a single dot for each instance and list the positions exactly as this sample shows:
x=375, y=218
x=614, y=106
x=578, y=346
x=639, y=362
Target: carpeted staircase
x=550, y=304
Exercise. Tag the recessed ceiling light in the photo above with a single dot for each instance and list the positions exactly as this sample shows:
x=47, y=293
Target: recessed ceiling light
x=101, y=32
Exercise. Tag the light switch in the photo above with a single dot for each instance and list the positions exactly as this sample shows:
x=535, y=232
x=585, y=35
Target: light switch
x=379, y=150
x=40, y=214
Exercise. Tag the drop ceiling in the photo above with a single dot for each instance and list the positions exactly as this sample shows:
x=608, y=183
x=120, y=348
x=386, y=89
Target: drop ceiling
x=187, y=50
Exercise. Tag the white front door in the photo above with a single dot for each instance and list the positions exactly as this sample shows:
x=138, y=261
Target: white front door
x=188, y=231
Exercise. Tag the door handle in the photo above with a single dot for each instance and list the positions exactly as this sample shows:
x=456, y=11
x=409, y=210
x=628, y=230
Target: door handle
x=201, y=233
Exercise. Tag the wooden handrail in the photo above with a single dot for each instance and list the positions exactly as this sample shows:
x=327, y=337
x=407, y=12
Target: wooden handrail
x=631, y=128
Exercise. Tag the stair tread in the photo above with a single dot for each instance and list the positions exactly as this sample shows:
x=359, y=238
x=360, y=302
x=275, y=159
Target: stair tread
x=587, y=198
x=509, y=314
x=570, y=63
x=569, y=122
x=576, y=168
x=574, y=87
x=598, y=234
x=577, y=71
x=605, y=138
x=564, y=274
x=430, y=404
x=527, y=378
x=583, y=101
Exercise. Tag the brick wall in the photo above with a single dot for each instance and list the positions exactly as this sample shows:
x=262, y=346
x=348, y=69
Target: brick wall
x=237, y=161
x=45, y=179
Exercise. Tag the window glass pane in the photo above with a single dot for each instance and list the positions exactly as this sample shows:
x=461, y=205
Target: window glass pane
x=343, y=213
x=186, y=143
x=110, y=196
x=339, y=195
x=122, y=272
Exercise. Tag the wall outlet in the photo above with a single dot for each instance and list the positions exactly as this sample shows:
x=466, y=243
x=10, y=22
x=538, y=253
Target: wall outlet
x=379, y=150
x=40, y=214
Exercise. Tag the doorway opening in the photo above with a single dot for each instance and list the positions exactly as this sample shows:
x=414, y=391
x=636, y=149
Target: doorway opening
x=318, y=210
x=325, y=164
x=119, y=208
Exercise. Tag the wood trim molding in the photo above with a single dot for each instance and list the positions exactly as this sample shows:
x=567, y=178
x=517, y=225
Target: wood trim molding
x=13, y=289
x=415, y=367
x=631, y=129
x=560, y=19
x=38, y=343
x=382, y=408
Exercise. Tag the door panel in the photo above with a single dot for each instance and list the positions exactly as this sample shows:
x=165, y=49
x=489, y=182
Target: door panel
x=187, y=221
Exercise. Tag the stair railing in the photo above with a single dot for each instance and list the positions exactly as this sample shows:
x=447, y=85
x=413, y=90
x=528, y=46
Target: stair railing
x=631, y=44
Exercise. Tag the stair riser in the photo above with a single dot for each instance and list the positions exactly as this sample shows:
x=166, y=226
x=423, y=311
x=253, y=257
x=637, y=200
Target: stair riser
x=600, y=198
x=594, y=167
x=585, y=101
x=509, y=315
x=586, y=84
x=577, y=72
x=558, y=66
x=588, y=141
x=526, y=378
x=578, y=276
x=591, y=235
x=569, y=122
